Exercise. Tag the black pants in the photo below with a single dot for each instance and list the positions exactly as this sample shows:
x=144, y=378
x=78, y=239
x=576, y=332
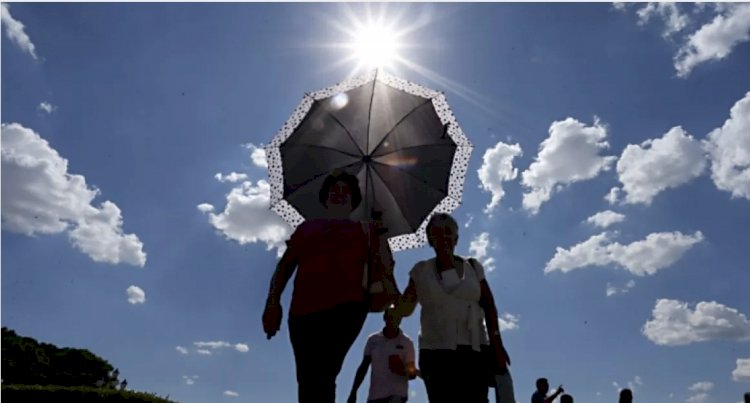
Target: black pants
x=320, y=342
x=452, y=376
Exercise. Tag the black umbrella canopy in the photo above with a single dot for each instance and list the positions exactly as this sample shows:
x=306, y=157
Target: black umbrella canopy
x=398, y=138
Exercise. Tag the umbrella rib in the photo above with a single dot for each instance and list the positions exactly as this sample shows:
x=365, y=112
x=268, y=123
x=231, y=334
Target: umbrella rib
x=346, y=130
x=406, y=172
x=325, y=148
x=399, y=122
x=400, y=210
x=305, y=183
x=369, y=112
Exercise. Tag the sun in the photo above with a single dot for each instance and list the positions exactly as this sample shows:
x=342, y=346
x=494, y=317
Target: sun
x=375, y=45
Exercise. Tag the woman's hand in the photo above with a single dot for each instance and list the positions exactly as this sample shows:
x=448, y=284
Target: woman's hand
x=272, y=319
x=502, y=358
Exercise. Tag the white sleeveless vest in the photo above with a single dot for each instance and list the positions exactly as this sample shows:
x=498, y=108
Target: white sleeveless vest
x=443, y=314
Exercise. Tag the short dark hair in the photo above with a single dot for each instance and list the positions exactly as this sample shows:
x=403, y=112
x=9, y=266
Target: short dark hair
x=347, y=178
x=566, y=398
x=540, y=381
x=440, y=217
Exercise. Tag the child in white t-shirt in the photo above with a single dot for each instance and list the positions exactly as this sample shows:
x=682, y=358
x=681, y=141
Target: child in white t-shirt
x=391, y=354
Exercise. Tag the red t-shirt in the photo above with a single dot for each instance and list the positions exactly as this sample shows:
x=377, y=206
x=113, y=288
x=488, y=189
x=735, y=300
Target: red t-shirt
x=332, y=256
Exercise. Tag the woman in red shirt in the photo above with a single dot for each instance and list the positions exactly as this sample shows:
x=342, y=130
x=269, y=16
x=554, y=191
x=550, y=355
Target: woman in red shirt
x=328, y=307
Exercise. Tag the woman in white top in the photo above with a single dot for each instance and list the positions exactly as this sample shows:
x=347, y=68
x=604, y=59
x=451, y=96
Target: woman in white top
x=455, y=300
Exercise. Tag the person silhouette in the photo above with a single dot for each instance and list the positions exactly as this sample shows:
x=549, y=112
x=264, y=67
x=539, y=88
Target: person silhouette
x=566, y=398
x=626, y=396
x=456, y=301
x=329, y=302
x=747, y=397
x=542, y=387
x=391, y=354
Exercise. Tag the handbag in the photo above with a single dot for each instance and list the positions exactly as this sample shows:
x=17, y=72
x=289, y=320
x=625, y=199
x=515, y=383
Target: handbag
x=377, y=278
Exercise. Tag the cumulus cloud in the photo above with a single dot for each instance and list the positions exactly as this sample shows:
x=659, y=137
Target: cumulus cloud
x=613, y=196
x=247, y=217
x=674, y=20
x=497, y=167
x=231, y=177
x=189, y=380
x=205, y=208
x=742, y=372
x=14, y=30
x=479, y=249
x=655, y=165
x=604, y=219
x=39, y=196
x=257, y=155
x=716, y=39
x=570, y=154
x=612, y=290
x=181, y=350
x=703, y=386
x=508, y=321
x=729, y=151
x=241, y=347
x=136, y=295
x=645, y=257
x=46, y=107
x=674, y=323
x=231, y=393
x=698, y=398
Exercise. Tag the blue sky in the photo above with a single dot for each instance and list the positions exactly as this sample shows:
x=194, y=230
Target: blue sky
x=135, y=217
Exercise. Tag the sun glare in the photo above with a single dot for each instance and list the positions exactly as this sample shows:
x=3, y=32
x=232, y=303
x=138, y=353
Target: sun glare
x=375, y=46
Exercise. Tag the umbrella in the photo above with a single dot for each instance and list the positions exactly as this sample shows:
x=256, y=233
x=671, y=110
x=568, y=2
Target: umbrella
x=398, y=138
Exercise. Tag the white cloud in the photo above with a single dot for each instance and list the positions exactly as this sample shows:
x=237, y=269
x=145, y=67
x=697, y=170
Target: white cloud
x=497, y=167
x=729, y=151
x=231, y=177
x=469, y=220
x=14, y=29
x=699, y=398
x=657, y=251
x=47, y=107
x=612, y=290
x=479, y=249
x=181, y=350
x=215, y=345
x=703, y=386
x=40, y=196
x=136, y=295
x=570, y=154
x=508, y=321
x=674, y=323
x=247, y=217
x=212, y=344
x=205, y=208
x=670, y=14
x=203, y=352
x=742, y=372
x=647, y=169
x=257, y=155
x=189, y=380
x=613, y=196
x=231, y=393
x=716, y=39
x=632, y=385
x=604, y=219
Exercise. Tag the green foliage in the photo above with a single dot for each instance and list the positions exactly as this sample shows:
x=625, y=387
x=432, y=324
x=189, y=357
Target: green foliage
x=74, y=394
x=28, y=362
